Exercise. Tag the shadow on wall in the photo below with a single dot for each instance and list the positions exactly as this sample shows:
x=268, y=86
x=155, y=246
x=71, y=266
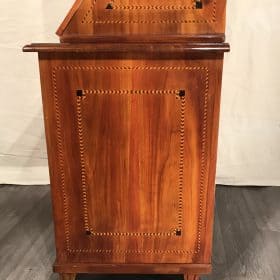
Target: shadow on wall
x=29, y=149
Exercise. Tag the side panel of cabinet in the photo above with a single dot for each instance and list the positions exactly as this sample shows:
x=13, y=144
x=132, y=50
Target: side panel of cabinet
x=132, y=150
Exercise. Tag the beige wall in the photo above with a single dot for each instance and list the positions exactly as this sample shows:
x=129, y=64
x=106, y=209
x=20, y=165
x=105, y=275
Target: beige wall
x=249, y=146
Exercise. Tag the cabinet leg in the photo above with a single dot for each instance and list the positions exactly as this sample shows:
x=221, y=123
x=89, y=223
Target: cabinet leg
x=67, y=276
x=191, y=277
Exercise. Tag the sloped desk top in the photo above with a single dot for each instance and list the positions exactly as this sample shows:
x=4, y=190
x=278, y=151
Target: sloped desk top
x=144, y=20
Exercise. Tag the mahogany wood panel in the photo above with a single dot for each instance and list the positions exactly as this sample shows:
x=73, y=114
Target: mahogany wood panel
x=191, y=277
x=67, y=276
x=132, y=149
x=133, y=17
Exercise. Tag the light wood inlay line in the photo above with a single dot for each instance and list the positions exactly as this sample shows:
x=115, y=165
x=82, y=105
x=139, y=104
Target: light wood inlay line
x=152, y=7
x=82, y=161
x=87, y=20
x=61, y=157
x=131, y=91
x=83, y=172
x=203, y=159
x=145, y=234
x=181, y=162
x=61, y=161
x=87, y=14
x=179, y=251
x=90, y=68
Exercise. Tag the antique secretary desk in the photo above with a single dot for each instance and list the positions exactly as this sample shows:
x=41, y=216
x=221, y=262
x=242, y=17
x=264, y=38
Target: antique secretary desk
x=131, y=98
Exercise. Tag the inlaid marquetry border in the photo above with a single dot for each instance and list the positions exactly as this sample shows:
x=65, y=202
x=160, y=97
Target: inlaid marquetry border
x=85, y=201
x=86, y=19
x=153, y=7
x=59, y=140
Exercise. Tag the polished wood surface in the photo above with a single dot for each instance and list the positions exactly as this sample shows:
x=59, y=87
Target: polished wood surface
x=67, y=276
x=159, y=50
x=132, y=156
x=145, y=38
x=132, y=17
x=126, y=269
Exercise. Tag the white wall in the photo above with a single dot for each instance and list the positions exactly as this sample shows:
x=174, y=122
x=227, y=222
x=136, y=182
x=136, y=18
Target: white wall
x=249, y=151
x=249, y=148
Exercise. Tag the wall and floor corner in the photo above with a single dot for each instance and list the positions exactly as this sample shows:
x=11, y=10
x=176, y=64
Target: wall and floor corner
x=249, y=152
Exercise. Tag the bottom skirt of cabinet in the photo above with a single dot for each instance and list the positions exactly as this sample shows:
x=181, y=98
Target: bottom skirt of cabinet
x=188, y=270
x=72, y=276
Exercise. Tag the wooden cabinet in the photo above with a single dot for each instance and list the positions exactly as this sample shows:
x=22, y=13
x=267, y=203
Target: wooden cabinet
x=131, y=120
x=143, y=17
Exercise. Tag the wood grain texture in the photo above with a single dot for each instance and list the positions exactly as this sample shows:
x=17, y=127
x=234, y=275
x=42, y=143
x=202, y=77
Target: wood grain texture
x=67, y=276
x=191, y=277
x=120, y=160
x=127, y=269
x=156, y=50
x=145, y=17
x=135, y=185
x=145, y=38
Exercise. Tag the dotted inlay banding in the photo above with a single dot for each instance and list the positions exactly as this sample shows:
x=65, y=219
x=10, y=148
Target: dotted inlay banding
x=89, y=20
x=82, y=159
x=153, y=7
x=61, y=161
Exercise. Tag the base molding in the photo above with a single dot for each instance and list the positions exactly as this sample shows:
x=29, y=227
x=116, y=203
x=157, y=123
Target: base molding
x=66, y=276
x=72, y=276
x=189, y=270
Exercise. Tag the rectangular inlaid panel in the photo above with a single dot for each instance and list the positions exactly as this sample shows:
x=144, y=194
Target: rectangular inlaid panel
x=117, y=17
x=130, y=143
x=121, y=131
